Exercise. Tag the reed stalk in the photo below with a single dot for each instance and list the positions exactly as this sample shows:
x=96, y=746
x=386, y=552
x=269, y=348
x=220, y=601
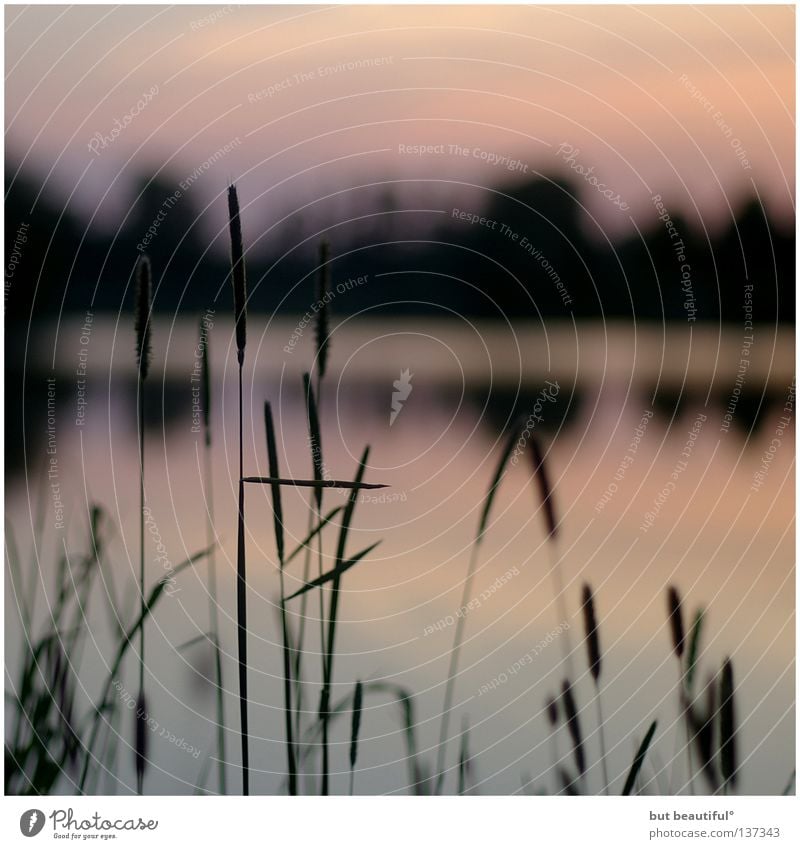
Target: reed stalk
x=551, y=711
x=574, y=727
x=213, y=599
x=595, y=666
x=322, y=343
x=728, y=758
x=464, y=762
x=547, y=498
x=124, y=643
x=688, y=694
x=330, y=642
x=240, y=314
x=143, y=356
x=678, y=633
x=315, y=503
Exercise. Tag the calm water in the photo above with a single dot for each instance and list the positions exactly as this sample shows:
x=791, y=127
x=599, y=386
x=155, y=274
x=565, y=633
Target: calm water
x=650, y=491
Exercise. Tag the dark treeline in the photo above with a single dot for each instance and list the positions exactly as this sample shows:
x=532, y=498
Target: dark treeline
x=534, y=251
x=522, y=253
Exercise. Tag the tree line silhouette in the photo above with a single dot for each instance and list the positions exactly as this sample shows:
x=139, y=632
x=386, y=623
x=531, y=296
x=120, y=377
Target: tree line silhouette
x=523, y=251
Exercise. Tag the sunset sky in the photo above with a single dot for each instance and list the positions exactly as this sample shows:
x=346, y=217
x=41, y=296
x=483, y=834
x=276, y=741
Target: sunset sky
x=694, y=103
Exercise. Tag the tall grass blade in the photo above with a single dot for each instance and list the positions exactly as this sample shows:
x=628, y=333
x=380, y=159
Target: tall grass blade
x=455, y=651
x=638, y=760
x=547, y=499
x=124, y=644
x=405, y=700
x=330, y=642
x=313, y=532
x=500, y=469
x=302, y=483
x=336, y=573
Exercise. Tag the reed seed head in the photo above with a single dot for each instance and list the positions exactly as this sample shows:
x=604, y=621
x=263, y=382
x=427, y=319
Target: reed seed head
x=237, y=272
x=573, y=724
x=140, y=743
x=694, y=649
x=569, y=784
x=551, y=709
x=323, y=309
x=676, y=621
x=702, y=725
x=592, y=639
x=274, y=472
x=727, y=724
x=142, y=318
x=358, y=697
x=464, y=761
x=545, y=489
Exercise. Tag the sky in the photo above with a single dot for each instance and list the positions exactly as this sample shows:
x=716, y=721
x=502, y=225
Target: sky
x=296, y=102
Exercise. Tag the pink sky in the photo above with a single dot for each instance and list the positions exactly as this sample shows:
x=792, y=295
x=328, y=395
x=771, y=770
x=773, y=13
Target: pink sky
x=694, y=103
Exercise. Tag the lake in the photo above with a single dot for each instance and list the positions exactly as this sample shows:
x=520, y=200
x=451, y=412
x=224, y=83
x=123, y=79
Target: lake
x=653, y=486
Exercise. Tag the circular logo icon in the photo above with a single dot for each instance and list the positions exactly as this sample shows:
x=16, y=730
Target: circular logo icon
x=31, y=822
